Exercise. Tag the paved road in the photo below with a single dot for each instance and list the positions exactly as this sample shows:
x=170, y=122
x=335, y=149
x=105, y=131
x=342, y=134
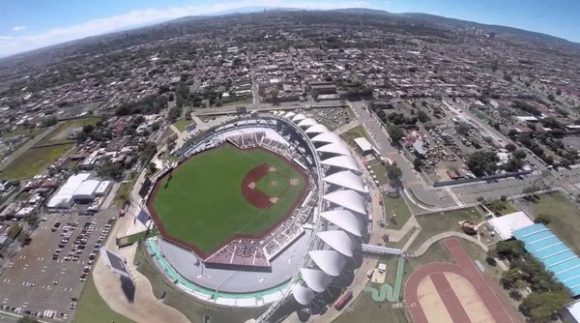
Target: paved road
x=411, y=179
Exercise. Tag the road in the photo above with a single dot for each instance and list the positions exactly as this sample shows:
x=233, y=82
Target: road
x=411, y=178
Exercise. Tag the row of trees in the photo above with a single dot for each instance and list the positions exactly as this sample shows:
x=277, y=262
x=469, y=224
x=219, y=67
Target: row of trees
x=548, y=296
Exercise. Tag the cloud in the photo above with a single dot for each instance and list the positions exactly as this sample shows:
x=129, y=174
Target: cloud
x=19, y=28
x=142, y=17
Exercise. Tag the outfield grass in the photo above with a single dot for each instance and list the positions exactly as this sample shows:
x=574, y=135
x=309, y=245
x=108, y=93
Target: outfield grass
x=181, y=124
x=396, y=210
x=33, y=161
x=93, y=309
x=564, y=216
x=202, y=203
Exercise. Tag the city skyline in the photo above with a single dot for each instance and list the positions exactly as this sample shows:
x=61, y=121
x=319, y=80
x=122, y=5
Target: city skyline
x=30, y=25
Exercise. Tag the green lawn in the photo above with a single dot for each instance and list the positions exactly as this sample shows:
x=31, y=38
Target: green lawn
x=397, y=211
x=181, y=124
x=432, y=224
x=33, y=161
x=564, y=216
x=500, y=207
x=93, y=309
x=380, y=172
x=202, y=203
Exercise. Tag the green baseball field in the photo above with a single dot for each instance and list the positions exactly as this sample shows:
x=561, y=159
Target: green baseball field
x=224, y=192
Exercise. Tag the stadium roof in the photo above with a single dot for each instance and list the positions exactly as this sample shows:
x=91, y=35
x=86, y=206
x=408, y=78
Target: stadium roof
x=505, y=225
x=545, y=246
x=347, y=199
x=344, y=162
x=289, y=115
x=347, y=179
x=345, y=220
x=338, y=240
x=303, y=295
x=329, y=261
x=299, y=117
x=315, y=279
x=328, y=137
x=317, y=128
x=308, y=122
x=337, y=149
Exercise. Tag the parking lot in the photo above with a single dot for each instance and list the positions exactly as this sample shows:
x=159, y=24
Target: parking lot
x=46, y=278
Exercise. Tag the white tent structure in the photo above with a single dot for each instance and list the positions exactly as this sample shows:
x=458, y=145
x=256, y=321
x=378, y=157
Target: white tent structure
x=329, y=261
x=289, y=115
x=339, y=241
x=315, y=279
x=343, y=161
x=347, y=179
x=307, y=123
x=316, y=129
x=345, y=220
x=327, y=137
x=302, y=295
x=347, y=199
x=336, y=149
x=299, y=117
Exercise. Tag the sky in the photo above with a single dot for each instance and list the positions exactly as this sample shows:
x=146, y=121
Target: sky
x=31, y=24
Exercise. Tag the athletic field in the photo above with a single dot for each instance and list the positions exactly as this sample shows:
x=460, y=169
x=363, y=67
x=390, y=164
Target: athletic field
x=224, y=192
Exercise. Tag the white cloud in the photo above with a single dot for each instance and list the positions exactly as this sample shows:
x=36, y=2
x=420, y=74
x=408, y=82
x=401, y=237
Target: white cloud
x=19, y=28
x=143, y=17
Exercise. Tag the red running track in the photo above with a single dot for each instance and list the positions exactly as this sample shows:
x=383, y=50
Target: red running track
x=495, y=302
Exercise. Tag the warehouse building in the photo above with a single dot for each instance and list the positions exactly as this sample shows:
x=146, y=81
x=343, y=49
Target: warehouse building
x=79, y=188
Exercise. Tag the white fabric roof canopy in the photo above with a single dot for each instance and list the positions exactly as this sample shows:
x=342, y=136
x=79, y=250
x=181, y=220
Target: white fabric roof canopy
x=315, y=279
x=345, y=220
x=308, y=122
x=337, y=149
x=329, y=261
x=339, y=241
x=303, y=295
x=343, y=161
x=328, y=137
x=347, y=179
x=317, y=128
x=348, y=199
x=299, y=117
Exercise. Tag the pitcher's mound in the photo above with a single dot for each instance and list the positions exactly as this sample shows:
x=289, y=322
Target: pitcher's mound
x=294, y=181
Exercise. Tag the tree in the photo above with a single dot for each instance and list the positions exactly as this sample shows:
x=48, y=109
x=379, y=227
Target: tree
x=510, y=277
x=394, y=173
x=510, y=147
x=482, y=163
x=395, y=133
x=543, y=218
x=418, y=163
x=510, y=249
x=544, y=307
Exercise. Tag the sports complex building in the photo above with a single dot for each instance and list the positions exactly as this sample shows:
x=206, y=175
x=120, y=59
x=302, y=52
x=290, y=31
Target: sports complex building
x=264, y=209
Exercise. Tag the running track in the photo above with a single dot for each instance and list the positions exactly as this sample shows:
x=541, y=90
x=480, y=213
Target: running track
x=496, y=303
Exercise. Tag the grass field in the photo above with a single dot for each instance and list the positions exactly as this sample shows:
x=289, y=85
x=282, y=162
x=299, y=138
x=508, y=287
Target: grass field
x=564, y=216
x=181, y=124
x=34, y=161
x=203, y=205
x=93, y=309
x=439, y=222
x=62, y=131
x=397, y=211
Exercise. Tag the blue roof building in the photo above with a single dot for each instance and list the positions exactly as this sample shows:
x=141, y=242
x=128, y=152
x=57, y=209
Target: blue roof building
x=545, y=246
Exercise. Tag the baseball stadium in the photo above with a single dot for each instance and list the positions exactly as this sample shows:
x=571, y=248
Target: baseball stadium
x=262, y=210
